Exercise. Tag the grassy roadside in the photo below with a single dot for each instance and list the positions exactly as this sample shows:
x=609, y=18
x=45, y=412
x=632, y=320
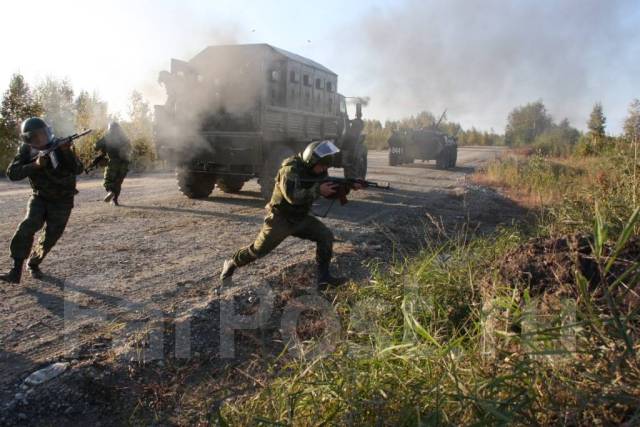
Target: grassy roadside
x=521, y=327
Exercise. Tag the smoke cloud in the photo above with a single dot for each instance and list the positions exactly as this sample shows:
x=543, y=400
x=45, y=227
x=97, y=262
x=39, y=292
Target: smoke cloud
x=481, y=59
x=217, y=89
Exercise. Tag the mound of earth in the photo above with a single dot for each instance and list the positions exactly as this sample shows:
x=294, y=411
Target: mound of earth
x=553, y=266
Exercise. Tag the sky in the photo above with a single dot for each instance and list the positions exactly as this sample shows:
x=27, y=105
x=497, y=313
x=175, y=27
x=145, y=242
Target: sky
x=477, y=59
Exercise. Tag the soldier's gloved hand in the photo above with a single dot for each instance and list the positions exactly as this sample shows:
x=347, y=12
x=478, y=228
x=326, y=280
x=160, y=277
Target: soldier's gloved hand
x=42, y=161
x=328, y=189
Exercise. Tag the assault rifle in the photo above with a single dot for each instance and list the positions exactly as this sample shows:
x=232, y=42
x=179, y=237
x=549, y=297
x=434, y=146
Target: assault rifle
x=95, y=163
x=345, y=185
x=55, y=144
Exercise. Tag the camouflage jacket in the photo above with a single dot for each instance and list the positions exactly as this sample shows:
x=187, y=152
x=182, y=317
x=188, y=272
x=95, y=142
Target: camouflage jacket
x=293, y=195
x=117, y=148
x=49, y=183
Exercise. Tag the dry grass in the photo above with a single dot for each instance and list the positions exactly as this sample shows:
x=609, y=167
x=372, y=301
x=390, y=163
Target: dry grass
x=454, y=337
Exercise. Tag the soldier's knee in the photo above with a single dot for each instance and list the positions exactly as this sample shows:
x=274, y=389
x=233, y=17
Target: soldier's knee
x=326, y=236
x=55, y=230
x=258, y=251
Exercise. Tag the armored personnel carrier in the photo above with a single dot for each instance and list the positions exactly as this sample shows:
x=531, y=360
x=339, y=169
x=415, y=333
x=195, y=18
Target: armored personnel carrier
x=407, y=145
x=234, y=112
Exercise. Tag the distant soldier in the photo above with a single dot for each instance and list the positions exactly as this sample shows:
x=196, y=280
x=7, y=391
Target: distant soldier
x=298, y=184
x=54, y=188
x=116, y=146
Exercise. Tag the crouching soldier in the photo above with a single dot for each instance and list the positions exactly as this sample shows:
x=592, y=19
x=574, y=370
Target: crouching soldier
x=299, y=183
x=116, y=146
x=53, y=180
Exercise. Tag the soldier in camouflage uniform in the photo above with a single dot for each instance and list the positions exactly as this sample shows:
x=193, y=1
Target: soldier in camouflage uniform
x=117, y=147
x=54, y=189
x=298, y=185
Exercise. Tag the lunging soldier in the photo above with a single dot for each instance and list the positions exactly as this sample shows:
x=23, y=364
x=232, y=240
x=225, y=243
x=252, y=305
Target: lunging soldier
x=299, y=183
x=53, y=180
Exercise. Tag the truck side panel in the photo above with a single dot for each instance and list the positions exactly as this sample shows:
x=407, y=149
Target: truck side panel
x=280, y=124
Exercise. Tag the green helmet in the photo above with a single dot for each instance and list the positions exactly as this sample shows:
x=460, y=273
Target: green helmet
x=32, y=125
x=319, y=152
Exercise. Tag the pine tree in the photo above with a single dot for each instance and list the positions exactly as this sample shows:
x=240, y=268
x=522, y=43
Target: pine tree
x=632, y=122
x=597, y=123
x=18, y=104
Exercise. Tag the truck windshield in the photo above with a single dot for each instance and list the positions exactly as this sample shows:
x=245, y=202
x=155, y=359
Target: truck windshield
x=343, y=105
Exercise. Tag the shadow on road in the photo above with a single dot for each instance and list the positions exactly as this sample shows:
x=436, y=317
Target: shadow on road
x=167, y=209
x=429, y=166
x=253, y=199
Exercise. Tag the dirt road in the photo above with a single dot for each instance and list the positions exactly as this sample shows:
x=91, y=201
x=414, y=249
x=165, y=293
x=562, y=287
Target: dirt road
x=162, y=251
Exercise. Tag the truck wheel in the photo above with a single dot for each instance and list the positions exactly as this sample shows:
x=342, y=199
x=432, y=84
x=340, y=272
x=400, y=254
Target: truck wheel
x=443, y=159
x=396, y=154
x=393, y=157
x=358, y=166
x=195, y=185
x=454, y=156
x=406, y=158
x=229, y=184
x=270, y=169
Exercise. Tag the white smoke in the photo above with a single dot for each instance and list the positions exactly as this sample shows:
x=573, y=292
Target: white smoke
x=481, y=59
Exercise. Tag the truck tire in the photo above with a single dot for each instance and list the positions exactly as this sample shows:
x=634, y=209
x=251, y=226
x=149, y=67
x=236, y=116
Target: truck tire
x=230, y=184
x=195, y=185
x=442, y=161
x=454, y=156
x=270, y=169
x=406, y=157
x=395, y=156
x=358, y=166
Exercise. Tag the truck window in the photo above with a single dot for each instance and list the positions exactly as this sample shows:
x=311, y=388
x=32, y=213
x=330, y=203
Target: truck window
x=343, y=106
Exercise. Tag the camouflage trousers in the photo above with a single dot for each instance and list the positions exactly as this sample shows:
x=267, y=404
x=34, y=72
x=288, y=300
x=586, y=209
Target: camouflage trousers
x=40, y=212
x=276, y=228
x=114, y=176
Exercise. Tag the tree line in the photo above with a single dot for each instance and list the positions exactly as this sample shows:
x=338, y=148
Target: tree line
x=529, y=125
x=67, y=112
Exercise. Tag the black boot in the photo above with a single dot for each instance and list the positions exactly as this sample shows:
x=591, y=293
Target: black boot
x=227, y=270
x=34, y=271
x=325, y=279
x=15, y=274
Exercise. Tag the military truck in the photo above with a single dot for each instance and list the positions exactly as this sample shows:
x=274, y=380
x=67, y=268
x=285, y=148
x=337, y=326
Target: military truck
x=407, y=145
x=234, y=112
